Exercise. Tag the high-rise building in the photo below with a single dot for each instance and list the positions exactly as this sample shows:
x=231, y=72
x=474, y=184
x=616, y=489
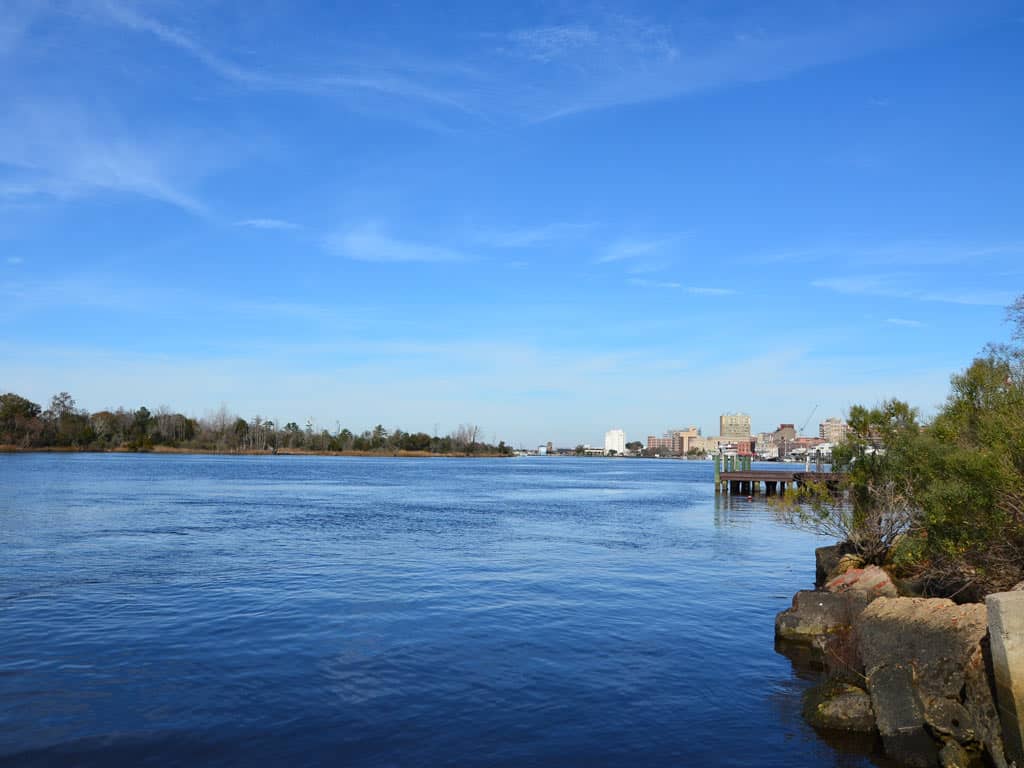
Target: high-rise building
x=833, y=430
x=734, y=426
x=681, y=439
x=615, y=440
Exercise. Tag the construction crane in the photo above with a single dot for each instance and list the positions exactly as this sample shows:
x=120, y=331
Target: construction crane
x=808, y=419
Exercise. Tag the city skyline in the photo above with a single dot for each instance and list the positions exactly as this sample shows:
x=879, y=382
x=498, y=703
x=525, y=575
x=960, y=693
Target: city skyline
x=541, y=220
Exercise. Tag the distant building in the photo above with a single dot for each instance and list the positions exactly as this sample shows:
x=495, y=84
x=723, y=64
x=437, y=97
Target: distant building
x=734, y=426
x=682, y=439
x=615, y=440
x=765, y=445
x=805, y=444
x=659, y=444
x=833, y=430
x=785, y=432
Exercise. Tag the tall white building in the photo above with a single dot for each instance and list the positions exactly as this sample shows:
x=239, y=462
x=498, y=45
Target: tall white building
x=615, y=440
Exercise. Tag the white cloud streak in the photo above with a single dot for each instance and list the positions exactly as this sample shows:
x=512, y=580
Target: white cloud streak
x=531, y=236
x=893, y=286
x=596, y=61
x=631, y=249
x=59, y=152
x=369, y=244
x=692, y=289
x=379, y=80
x=267, y=224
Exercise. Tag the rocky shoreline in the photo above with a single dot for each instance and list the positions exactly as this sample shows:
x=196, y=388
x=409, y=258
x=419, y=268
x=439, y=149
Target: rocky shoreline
x=939, y=683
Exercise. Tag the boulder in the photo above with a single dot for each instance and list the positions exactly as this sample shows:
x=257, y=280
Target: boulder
x=847, y=563
x=815, y=613
x=925, y=673
x=839, y=706
x=872, y=580
x=826, y=560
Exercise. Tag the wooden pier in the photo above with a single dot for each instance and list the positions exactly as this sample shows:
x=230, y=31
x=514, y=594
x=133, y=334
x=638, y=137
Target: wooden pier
x=738, y=477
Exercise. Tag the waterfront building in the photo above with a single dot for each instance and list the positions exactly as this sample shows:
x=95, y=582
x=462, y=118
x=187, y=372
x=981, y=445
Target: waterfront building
x=765, y=445
x=615, y=440
x=661, y=444
x=784, y=437
x=734, y=426
x=833, y=430
x=682, y=439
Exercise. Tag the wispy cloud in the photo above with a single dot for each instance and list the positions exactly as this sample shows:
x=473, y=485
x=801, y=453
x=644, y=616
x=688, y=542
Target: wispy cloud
x=702, y=291
x=60, y=152
x=595, y=61
x=923, y=252
x=15, y=260
x=895, y=287
x=369, y=244
x=902, y=321
x=382, y=79
x=545, y=44
x=531, y=236
x=128, y=16
x=643, y=283
x=692, y=289
x=267, y=224
x=632, y=249
x=612, y=60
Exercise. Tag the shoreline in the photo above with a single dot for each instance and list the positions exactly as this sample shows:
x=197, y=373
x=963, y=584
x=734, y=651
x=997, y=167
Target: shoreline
x=168, y=450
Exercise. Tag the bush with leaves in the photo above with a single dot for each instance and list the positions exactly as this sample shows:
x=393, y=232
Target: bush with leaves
x=943, y=502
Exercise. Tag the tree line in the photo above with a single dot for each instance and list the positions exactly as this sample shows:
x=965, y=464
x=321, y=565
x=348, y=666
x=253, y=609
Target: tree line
x=27, y=425
x=938, y=502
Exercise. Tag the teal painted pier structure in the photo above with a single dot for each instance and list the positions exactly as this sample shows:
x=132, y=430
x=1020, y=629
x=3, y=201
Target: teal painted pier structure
x=735, y=475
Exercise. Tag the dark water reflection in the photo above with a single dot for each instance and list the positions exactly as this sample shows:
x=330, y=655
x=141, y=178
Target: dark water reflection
x=249, y=611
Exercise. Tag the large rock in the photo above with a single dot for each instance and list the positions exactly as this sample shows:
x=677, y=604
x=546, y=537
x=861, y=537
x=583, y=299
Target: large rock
x=839, y=706
x=815, y=613
x=826, y=561
x=925, y=672
x=871, y=580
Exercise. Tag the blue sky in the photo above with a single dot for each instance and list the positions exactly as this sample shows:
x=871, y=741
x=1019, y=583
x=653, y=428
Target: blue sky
x=547, y=219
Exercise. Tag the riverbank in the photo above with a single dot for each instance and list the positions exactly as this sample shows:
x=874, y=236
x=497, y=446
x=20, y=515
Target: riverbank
x=169, y=450
x=934, y=682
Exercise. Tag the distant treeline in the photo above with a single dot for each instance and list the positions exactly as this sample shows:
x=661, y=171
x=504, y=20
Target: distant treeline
x=26, y=425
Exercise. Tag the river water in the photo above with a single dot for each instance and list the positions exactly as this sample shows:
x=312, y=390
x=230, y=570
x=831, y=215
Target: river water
x=187, y=610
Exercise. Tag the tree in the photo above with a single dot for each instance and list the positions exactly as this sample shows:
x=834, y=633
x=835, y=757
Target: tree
x=240, y=429
x=62, y=404
x=944, y=501
x=465, y=437
x=872, y=530
x=19, y=417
